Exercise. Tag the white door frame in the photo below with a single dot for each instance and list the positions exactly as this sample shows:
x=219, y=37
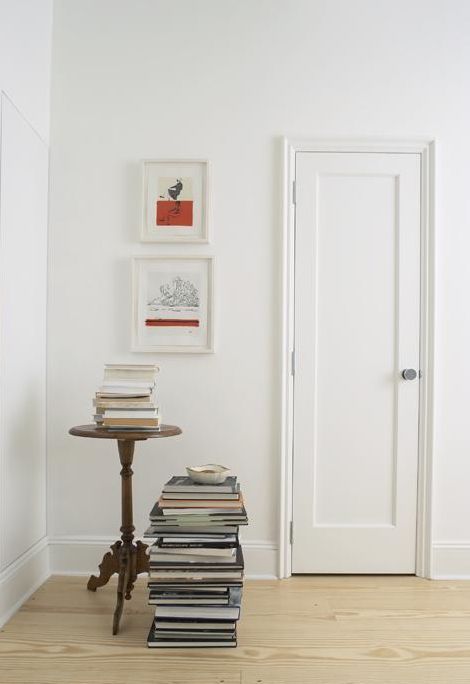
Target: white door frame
x=426, y=149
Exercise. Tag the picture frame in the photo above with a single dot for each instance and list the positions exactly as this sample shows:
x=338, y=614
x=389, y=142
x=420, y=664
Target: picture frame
x=175, y=200
x=173, y=304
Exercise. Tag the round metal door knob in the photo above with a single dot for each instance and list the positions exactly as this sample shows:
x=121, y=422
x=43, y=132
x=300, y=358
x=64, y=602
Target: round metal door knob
x=409, y=374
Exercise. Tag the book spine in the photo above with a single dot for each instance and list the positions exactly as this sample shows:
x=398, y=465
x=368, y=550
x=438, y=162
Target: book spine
x=195, y=545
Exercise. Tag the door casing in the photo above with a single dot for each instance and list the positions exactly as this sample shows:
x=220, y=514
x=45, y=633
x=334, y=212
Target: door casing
x=426, y=150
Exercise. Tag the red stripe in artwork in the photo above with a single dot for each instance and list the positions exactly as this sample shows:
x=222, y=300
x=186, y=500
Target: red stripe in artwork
x=170, y=322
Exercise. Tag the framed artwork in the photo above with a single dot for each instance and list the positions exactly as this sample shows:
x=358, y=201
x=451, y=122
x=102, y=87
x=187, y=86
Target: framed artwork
x=173, y=304
x=175, y=201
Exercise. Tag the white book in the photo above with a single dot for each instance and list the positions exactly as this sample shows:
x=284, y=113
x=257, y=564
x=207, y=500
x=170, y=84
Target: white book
x=177, y=558
x=203, y=511
x=198, y=612
x=131, y=413
x=125, y=403
x=123, y=392
x=139, y=367
x=140, y=384
x=195, y=575
x=124, y=375
x=194, y=551
x=153, y=642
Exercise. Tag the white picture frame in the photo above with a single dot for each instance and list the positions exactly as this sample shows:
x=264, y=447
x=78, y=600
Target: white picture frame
x=173, y=304
x=175, y=200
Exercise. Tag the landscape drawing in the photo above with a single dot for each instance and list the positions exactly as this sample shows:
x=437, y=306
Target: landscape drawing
x=174, y=206
x=173, y=301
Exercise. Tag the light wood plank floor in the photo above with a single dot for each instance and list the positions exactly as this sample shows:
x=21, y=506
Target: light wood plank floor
x=330, y=630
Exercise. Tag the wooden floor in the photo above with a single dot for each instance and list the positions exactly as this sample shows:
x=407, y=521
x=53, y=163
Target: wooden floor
x=341, y=630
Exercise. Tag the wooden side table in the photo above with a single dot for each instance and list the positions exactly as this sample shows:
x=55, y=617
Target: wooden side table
x=125, y=557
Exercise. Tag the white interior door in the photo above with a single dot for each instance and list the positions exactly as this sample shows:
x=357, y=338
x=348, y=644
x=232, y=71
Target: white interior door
x=357, y=308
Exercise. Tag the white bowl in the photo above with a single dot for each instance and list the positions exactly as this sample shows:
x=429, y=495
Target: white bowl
x=210, y=473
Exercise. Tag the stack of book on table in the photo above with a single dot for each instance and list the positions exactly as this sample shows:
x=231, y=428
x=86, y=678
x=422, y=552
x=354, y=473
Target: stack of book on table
x=196, y=564
x=126, y=399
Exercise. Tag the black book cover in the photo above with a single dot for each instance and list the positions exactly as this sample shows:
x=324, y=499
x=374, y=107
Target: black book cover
x=196, y=580
x=178, y=635
x=183, y=483
x=230, y=596
x=195, y=625
x=196, y=545
x=158, y=530
x=197, y=634
x=194, y=599
x=208, y=585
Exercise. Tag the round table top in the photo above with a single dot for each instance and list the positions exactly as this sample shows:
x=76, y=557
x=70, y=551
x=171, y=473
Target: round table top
x=93, y=430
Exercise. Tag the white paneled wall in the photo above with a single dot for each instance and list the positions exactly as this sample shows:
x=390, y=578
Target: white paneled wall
x=25, y=37
x=23, y=262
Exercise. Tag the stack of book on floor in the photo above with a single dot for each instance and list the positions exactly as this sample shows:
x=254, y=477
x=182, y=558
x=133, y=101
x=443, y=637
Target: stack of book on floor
x=126, y=399
x=196, y=564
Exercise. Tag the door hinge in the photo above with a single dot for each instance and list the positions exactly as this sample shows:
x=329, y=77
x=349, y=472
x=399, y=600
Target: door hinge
x=294, y=193
x=291, y=532
x=292, y=362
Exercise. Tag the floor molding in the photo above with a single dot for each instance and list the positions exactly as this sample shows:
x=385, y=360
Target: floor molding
x=451, y=560
x=80, y=555
x=21, y=578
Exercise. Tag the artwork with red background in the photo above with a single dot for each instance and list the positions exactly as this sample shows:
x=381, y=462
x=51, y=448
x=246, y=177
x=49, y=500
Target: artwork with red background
x=174, y=206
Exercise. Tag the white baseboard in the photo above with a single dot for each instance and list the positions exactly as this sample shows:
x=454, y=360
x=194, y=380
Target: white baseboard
x=76, y=555
x=21, y=578
x=261, y=559
x=451, y=560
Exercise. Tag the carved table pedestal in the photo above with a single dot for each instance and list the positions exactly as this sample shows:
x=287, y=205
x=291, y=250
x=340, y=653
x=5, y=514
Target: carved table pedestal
x=126, y=558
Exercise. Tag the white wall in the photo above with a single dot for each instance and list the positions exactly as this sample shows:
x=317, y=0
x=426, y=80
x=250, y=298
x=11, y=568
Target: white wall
x=25, y=58
x=224, y=80
x=25, y=42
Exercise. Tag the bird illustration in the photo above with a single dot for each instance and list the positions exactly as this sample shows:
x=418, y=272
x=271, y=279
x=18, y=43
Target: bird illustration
x=174, y=192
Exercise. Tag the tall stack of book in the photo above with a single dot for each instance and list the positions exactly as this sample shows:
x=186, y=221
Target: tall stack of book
x=126, y=399
x=196, y=564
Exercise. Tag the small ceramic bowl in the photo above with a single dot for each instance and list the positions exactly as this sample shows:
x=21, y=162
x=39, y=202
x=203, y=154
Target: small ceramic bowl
x=208, y=474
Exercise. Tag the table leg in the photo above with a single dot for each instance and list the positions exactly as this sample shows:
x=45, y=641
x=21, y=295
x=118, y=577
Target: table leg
x=142, y=560
x=125, y=558
x=127, y=552
x=125, y=572
x=108, y=566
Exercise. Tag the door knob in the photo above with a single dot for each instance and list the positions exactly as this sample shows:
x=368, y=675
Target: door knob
x=409, y=374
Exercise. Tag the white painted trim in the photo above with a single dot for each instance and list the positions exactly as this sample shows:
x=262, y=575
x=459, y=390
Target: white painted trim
x=450, y=560
x=426, y=149
x=80, y=555
x=21, y=578
x=426, y=400
x=390, y=146
x=3, y=469
x=287, y=398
